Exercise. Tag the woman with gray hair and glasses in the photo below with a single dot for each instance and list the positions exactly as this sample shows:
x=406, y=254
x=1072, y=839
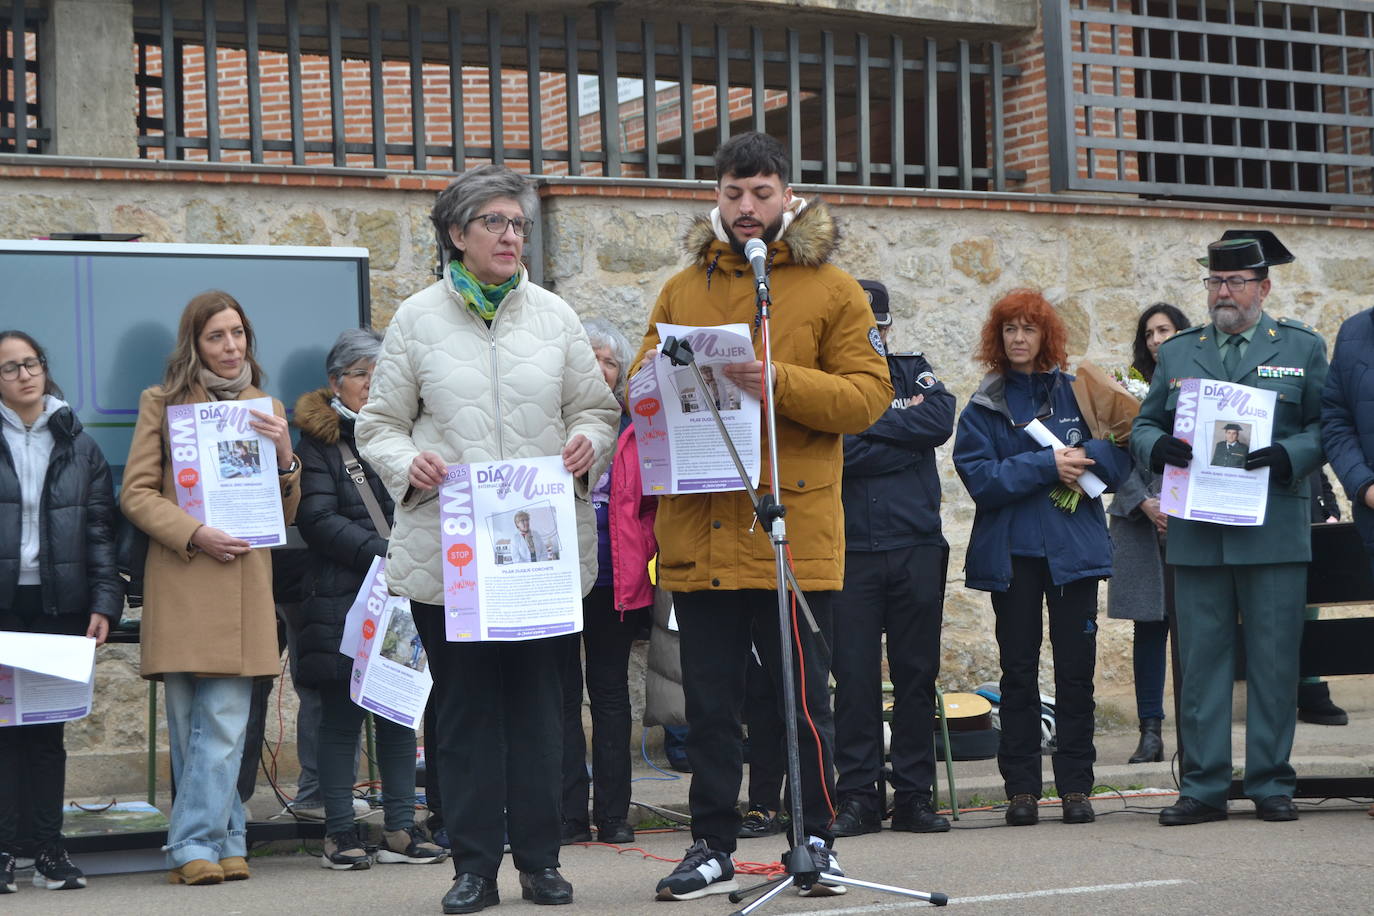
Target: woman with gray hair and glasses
x=484, y=365
x=613, y=612
x=339, y=528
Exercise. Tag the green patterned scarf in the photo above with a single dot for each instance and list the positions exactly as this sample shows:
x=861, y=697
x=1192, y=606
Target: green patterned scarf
x=480, y=297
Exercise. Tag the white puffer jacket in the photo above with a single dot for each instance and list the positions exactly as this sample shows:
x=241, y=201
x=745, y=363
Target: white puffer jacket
x=447, y=384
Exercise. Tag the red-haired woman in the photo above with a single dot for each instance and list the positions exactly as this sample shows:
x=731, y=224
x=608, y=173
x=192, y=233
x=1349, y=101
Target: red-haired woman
x=1024, y=548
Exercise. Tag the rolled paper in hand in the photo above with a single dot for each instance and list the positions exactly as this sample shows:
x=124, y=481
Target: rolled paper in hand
x=1092, y=485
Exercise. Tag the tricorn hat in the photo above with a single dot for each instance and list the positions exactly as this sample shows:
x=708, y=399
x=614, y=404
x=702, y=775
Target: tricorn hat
x=877, y=299
x=1235, y=426
x=1246, y=249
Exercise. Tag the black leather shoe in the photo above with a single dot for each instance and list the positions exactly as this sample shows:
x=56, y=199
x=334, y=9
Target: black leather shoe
x=917, y=816
x=1023, y=810
x=1151, y=746
x=855, y=819
x=545, y=887
x=575, y=833
x=1316, y=707
x=1190, y=811
x=1276, y=808
x=1077, y=809
x=471, y=894
x=615, y=832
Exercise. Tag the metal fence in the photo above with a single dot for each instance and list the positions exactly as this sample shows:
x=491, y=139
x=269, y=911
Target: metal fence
x=441, y=88
x=21, y=125
x=1265, y=102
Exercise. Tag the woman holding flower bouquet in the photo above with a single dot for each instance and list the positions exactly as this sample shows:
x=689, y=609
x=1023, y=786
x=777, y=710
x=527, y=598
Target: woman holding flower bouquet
x=1037, y=538
x=1143, y=590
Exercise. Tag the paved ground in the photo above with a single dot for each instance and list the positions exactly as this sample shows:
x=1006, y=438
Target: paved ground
x=1123, y=864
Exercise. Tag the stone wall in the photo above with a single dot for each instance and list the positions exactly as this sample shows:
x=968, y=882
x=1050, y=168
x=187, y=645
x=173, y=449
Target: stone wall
x=608, y=250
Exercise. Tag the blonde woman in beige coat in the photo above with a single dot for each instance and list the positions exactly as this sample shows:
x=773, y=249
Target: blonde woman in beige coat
x=208, y=627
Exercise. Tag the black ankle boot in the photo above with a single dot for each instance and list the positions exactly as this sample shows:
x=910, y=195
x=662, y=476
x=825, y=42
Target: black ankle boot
x=1151, y=746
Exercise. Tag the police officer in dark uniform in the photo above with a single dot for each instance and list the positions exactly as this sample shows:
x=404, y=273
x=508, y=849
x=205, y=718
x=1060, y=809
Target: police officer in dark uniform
x=895, y=561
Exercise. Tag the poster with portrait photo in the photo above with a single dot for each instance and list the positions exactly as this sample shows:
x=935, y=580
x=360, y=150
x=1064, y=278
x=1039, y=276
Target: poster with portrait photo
x=508, y=532
x=1223, y=422
x=680, y=447
x=225, y=471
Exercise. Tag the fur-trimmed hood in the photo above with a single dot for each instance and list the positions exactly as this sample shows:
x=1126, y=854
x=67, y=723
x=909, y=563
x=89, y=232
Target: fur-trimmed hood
x=317, y=418
x=809, y=241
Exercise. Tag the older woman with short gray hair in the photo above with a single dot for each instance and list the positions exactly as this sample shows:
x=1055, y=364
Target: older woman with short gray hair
x=485, y=365
x=345, y=534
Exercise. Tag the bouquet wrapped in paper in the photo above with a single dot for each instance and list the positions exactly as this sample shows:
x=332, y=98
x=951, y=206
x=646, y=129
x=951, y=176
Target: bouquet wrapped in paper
x=1108, y=408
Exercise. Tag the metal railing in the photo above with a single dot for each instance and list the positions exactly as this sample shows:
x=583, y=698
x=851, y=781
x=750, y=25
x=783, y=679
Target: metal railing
x=21, y=125
x=1267, y=102
x=439, y=88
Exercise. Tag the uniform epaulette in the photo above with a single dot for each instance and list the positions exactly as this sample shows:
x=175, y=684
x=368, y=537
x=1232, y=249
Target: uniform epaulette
x=1193, y=330
x=1295, y=323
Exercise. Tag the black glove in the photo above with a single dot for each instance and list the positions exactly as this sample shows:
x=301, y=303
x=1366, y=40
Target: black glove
x=1170, y=450
x=1273, y=457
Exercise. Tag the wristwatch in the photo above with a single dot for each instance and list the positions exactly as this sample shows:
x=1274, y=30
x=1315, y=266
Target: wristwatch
x=293, y=468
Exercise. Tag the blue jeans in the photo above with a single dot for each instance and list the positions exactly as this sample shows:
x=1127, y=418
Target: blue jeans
x=206, y=719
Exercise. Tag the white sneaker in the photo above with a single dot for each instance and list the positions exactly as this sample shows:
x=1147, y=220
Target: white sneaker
x=827, y=864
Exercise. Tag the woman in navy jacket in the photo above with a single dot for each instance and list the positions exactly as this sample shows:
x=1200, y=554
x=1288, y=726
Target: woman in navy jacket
x=1025, y=548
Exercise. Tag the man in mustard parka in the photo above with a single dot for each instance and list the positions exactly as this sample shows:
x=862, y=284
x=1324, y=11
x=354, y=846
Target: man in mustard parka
x=831, y=378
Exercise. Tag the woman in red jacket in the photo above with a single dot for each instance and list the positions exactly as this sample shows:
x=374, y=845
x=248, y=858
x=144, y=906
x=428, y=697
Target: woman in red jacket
x=613, y=612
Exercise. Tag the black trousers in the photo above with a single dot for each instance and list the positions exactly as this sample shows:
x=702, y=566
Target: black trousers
x=33, y=758
x=1073, y=639
x=901, y=592
x=497, y=709
x=767, y=757
x=607, y=640
x=717, y=629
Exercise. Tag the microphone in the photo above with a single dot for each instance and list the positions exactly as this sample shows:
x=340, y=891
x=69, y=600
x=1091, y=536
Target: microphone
x=757, y=253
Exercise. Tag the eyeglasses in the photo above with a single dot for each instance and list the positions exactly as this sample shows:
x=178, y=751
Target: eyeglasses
x=1234, y=284
x=33, y=366
x=496, y=224
x=364, y=374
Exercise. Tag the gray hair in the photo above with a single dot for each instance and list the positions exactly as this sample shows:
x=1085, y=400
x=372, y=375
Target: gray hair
x=353, y=344
x=604, y=334
x=458, y=203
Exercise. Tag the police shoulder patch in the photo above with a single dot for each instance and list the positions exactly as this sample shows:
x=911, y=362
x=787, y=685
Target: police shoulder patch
x=926, y=380
x=876, y=340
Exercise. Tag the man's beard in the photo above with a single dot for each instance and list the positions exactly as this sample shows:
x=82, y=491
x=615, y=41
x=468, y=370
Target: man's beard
x=1233, y=322
x=770, y=234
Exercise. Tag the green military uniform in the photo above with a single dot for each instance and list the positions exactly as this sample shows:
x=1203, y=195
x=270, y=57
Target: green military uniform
x=1230, y=455
x=1260, y=572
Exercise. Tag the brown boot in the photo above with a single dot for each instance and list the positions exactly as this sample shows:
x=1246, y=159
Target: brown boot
x=196, y=871
x=235, y=868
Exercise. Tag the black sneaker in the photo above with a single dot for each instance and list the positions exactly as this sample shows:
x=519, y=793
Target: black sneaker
x=54, y=871
x=827, y=864
x=918, y=816
x=855, y=819
x=702, y=871
x=615, y=832
x=758, y=822
x=7, y=885
x=343, y=851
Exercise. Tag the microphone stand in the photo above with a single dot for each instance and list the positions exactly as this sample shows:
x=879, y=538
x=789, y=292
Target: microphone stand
x=801, y=868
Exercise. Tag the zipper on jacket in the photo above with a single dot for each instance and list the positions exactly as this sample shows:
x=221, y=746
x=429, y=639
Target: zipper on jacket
x=496, y=394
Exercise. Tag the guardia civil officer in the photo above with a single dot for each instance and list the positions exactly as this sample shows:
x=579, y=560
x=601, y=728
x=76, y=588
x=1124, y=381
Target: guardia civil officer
x=1221, y=571
x=894, y=581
